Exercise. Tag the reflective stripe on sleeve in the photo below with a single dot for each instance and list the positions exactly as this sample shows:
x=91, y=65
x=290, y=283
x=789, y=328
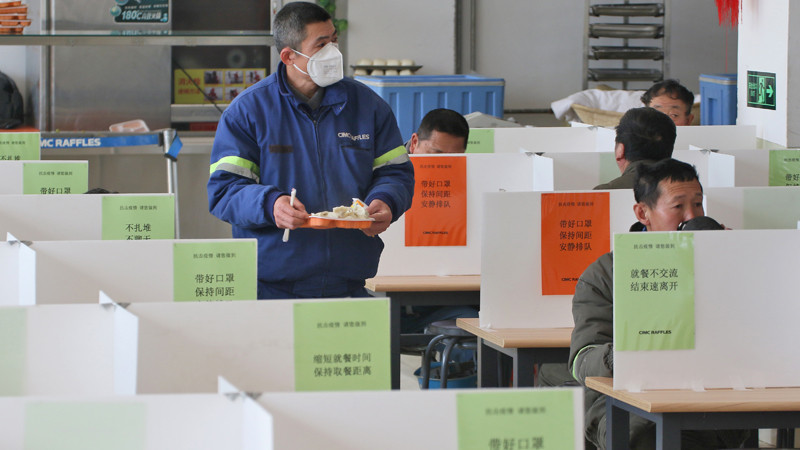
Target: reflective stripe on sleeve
x=238, y=166
x=397, y=156
x=574, y=360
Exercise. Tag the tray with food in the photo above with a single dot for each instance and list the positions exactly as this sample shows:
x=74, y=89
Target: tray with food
x=354, y=216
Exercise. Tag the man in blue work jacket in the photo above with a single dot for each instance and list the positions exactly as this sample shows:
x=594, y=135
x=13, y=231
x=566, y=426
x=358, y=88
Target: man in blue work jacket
x=330, y=138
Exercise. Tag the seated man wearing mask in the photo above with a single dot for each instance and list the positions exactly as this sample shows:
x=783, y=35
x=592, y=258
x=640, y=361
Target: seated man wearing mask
x=668, y=194
x=644, y=135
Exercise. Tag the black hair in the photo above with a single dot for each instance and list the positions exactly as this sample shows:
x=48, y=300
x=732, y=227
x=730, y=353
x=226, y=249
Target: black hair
x=646, y=134
x=672, y=88
x=648, y=176
x=444, y=121
x=289, y=28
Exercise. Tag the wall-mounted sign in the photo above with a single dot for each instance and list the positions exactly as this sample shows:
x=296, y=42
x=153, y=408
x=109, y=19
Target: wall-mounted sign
x=761, y=90
x=140, y=11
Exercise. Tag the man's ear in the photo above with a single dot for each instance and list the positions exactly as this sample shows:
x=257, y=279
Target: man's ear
x=413, y=143
x=691, y=119
x=642, y=213
x=287, y=56
x=619, y=152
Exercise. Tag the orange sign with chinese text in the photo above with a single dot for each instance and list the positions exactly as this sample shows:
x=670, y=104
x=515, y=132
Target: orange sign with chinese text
x=438, y=214
x=575, y=232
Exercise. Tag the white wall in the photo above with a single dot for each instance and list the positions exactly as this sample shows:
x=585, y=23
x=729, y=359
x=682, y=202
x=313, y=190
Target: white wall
x=421, y=30
x=765, y=48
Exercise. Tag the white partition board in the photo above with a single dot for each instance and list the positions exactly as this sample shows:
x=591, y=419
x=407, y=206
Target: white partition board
x=393, y=420
x=128, y=271
x=143, y=422
x=716, y=137
x=71, y=350
x=12, y=174
x=775, y=207
x=485, y=173
x=752, y=166
x=54, y=217
x=186, y=347
x=511, y=267
x=582, y=171
x=552, y=139
x=745, y=318
x=17, y=273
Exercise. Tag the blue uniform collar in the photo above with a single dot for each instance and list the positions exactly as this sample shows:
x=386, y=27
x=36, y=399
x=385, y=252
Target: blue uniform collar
x=335, y=94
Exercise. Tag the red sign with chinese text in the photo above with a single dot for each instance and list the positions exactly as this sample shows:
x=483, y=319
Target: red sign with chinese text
x=438, y=214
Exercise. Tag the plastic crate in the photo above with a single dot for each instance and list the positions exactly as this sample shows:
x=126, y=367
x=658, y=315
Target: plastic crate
x=412, y=96
x=718, y=99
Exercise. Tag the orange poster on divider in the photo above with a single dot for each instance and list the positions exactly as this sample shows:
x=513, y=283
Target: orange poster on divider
x=575, y=232
x=438, y=214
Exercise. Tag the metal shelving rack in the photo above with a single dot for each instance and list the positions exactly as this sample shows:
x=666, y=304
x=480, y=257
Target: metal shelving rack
x=611, y=28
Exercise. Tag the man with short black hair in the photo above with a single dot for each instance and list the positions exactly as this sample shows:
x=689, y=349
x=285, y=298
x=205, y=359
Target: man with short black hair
x=331, y=138
x=441, y=131
x=671, y=98
x=668, y=193
x=644, y=135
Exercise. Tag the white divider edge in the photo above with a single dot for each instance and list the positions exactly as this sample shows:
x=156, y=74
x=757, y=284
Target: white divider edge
x=126, y=341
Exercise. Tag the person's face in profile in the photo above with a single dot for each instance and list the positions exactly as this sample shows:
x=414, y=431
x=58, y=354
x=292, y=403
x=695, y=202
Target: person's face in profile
x=438, y=142
x=678, y=201
x=675, y=108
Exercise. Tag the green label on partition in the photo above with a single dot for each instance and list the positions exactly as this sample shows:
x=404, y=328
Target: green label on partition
x=13, y=350
x=761, y=91
x=654, y=291
x=342, y=345
x=759, y=211
x=86, y=426
x=19, y=146
x=138, y=217
x=210, y=271
x=784, y=167
x=55, y=178
x=529, y=419
x=481, y=140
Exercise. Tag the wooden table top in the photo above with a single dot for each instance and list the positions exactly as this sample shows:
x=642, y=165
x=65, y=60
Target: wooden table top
x=518, y=337
x=424, y=283
x=711, y=400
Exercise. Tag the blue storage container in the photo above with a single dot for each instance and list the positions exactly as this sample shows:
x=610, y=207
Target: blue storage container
x=412, y=96
x=718, y=99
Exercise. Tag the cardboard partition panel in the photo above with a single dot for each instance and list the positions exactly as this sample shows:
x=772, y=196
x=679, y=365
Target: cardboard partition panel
x=484, y=173
x=716, y=137
x=512, y=263
x=162, y=270
x=553, y=139
x=17, y=273
x=67, y=350
x=90, y=216
x=280, y=345
x=736, y=287
x=754, y=208
x=758, y=167
x=442, y=419
x=44, y=177
x=142, y=422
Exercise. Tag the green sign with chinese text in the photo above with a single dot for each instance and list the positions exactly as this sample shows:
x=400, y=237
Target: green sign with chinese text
x=761, y=90
x=654, y=291
x=541, y=419
x=211, y=271
x=784, y=167
x=481, y=140
x=342, y=345
x=138, y=217
x=55, y=177
x=19, y=146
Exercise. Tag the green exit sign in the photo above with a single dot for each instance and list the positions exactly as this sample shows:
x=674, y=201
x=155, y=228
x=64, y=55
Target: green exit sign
x=761, y=90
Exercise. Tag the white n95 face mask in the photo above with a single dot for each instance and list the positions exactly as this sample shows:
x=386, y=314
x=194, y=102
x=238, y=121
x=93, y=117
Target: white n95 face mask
x=324, y=67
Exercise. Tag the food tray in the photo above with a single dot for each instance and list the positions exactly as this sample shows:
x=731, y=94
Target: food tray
x=397, y=68
x=625, y=75
x=629, y=10
x=606, y=52
x=625, y=30
x=322, y=223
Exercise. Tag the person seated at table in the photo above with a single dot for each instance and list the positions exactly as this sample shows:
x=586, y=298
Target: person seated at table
x=668, y=196
x=441, y=131
x=644, y=135
x=671, y=98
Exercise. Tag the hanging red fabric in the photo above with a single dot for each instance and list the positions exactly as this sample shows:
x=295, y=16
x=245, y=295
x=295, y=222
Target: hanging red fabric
x=728, y=11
